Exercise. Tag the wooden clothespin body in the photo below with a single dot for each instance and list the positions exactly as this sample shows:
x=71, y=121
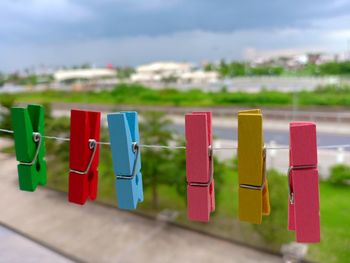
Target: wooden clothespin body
x=253, y=193
x=84, y=155
x=199, y=166
x=28, y=127
x=125, y=139
x=304, y=207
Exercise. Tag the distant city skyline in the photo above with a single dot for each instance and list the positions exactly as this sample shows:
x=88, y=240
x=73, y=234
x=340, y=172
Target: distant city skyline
x=130, y=32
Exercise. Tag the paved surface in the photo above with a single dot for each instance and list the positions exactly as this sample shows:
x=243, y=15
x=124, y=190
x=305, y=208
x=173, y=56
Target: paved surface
x=15, y=248
x=328, y=133
x=94, y=233
x=279, y=159
x=337, y=115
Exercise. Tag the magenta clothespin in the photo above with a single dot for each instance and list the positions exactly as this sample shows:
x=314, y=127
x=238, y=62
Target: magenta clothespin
x=199, y=166
x=304, y=204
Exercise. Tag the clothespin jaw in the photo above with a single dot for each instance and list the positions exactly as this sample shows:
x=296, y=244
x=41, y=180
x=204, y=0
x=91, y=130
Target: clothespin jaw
x=126, y=156
x=199, y=166
x=28, y=127
x=304, y=204
x=84, y=155
x=253, y=193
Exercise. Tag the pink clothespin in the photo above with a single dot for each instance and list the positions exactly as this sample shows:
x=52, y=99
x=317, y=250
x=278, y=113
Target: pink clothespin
x=199, y=166
x=304, y=204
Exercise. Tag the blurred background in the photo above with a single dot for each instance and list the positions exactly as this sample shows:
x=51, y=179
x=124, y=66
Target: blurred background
x=164, y=59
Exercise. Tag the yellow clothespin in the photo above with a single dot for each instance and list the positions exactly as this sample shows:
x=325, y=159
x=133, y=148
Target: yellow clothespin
x=253, y=192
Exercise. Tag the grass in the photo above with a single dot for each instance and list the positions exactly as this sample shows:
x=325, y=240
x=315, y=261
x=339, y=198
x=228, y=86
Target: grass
x=335, y=221
x=140, y=95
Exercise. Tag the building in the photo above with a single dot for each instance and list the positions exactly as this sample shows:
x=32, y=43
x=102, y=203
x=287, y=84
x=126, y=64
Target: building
x=85, y=78
x=200, y=77
x=83, y=74
x=158, y=71
x=172, y=72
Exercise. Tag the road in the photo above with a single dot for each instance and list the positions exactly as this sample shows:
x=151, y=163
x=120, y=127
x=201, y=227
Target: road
x=280, y=137
x=225, y=128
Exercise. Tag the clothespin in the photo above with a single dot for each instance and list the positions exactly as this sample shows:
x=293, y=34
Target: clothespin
x=84, y=155
x=28, y=127
x=304, y=204
x=125, y=140
x=199, y=166
x=253, y=193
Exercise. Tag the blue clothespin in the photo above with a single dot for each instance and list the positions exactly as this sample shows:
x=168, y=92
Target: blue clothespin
x=124, y=136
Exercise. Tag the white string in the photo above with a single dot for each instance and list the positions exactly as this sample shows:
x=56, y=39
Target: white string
x=6, y=131
x=162, y=146
x=174, y=147
x=57, y=138
x=104, y=143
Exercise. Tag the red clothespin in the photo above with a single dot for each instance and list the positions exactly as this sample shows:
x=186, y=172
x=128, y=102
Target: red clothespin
x=84, y=155
x=199, y=166
x=304, y=204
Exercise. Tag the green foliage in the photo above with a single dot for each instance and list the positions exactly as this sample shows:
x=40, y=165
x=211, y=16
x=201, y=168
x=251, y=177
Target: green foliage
x=232, y=69
x=274, y=227
x=252, y=99
x=135, y=94
x=169, y=79
x=6, y=103
x=333, y=89
x=335, y=68
x=124, y=72
x=310, y=70
x=155, y=165
x=266, y=71
x=22, y=80
x=2, y=79
x=235, y=68
x=340, y=174
x=57, y=152
x=209, y=67
x=325, y=69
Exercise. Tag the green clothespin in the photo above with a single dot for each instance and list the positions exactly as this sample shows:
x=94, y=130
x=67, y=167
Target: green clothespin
x=28, y=127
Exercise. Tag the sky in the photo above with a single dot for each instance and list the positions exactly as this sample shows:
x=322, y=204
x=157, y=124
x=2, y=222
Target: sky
x=132, y=32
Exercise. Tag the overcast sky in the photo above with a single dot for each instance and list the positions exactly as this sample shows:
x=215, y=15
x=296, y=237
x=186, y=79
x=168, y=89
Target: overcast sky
x=131, y=32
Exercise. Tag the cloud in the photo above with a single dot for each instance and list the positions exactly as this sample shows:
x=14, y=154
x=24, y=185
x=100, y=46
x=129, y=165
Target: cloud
x=196, y=46
x=65, y=20
x=61, y=11
x=134, y=31
x=149, y=5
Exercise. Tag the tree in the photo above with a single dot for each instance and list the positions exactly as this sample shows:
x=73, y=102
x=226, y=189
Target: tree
x=6, y=103
x=2, y=79
x=237, y=69
x=177, y=175
x=340, y=175
x=124, y=72
x=164, y=166
x=209, y=67
x=57, y=152
x=156, y=163
x=223, y=68
x=274, y=226
x=169, y=79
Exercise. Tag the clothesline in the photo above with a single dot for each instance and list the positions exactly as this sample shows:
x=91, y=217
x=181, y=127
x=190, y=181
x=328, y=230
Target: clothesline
x=174, y=147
